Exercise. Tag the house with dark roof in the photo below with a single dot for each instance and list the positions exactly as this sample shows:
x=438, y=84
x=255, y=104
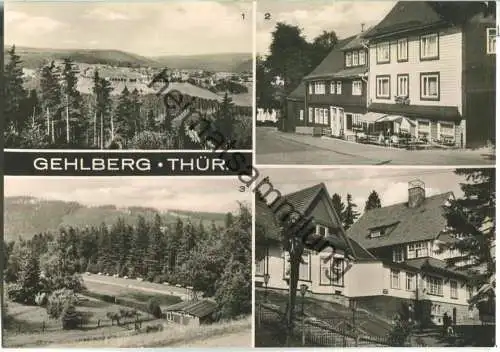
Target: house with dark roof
x=407, y=238
x=192, y=312
x=388, y=258
x=336, y=89
x=432, y=71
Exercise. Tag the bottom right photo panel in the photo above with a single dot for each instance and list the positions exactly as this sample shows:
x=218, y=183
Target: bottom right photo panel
x=372, y=257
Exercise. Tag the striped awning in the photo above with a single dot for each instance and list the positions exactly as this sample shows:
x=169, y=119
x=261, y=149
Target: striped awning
x=395, y=118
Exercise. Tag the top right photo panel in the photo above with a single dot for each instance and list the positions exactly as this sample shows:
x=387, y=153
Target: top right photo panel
x=375, y=83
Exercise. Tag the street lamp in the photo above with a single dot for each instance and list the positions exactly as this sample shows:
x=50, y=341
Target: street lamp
x=303, y=290
x=266, y=281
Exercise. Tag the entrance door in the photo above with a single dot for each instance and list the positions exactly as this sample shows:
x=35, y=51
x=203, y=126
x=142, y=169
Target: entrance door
x=333, y=120
x=454, y=316
x=341, y=119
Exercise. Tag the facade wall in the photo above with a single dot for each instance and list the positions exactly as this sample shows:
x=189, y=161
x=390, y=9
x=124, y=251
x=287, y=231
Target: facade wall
x=449, y=66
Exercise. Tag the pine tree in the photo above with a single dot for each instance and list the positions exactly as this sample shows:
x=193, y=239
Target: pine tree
x=350, y=213
x=73, y=101
x=51, y=95
x=29, y=277
x=338, y=205
x=124, y=115
x=373, y=201
x=225, y=121
x=136, y=108
x=14, y=93
x=156, y=245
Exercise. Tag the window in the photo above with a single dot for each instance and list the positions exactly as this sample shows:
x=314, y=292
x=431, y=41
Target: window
x=453, y=289
x=355, y=58
x=429, y=86
x=310, y=89
x=339, y=87
x=348, y=59
x=310, y=114
x=326, y=116
x=470, y=292
x=417, y=250
x=356, y=88
x=338, y=272
x=316, y=115
x=446, y=130
x=403, y=49
x=491, y=40
x=305, y=268
x=410, y=282
x=375, y=233
x=424, y=128
x=435, y=286
x=429, y=47
x=301, y=115
x=320, y=116
x=321, y=230
x=383, y=53
x=397, y=255
x=260, y=267
x=395, y=279
x=332, y=87
x=383, y=87
x=319, y=87
x=403, y=85
x=362, y=57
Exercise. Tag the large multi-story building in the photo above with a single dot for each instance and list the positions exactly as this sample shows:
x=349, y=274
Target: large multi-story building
x=425, y=72
x=432, y=71
x=393, y=257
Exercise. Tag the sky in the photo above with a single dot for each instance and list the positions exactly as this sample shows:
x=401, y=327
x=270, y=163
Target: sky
x=315, y=16
x=169, y=27
x=390, y=184
x=162, y=193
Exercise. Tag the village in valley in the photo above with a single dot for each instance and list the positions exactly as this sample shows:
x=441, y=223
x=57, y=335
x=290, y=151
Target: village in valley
x=79, y=272
x=380, y=83
x=98, y=97
x=409, y=258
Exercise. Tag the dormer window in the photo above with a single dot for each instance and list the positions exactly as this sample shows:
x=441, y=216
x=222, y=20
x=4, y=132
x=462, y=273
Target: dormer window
x=348, y=59
x=375, y=233
x=321, y=230
x=362, y=57
x=355, y=58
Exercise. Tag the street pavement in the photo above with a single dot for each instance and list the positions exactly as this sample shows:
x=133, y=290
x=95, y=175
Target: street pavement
x=280, y=148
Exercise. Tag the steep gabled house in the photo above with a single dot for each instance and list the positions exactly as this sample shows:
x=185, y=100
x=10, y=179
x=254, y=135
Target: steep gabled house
x=330, y=276
x=336, y=90
x=432, y=71
x=406, y=237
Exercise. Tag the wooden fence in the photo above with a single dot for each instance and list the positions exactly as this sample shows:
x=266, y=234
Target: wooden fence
x=315, y=332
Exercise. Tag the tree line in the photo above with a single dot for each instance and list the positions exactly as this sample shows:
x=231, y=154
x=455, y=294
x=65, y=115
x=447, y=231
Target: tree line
x=291, y=57
x=58, y=115
x=215, y=261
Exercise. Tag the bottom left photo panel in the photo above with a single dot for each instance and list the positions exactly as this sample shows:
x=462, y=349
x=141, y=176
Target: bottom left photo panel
x=126, y=262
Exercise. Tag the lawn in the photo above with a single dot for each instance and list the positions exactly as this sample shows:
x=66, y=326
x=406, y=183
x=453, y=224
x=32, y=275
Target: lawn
x=238, y=333
x=30, y=326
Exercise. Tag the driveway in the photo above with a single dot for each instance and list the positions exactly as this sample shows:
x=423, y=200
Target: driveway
x=274, y=147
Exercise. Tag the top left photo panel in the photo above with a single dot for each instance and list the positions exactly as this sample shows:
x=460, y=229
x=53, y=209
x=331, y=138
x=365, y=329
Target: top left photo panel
x=128, y=75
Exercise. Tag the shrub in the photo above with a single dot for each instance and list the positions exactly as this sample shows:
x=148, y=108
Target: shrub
x=154, y=308
x=400, y=333
x=59, y=301
x=71, y=319
x=147, y=140
x=16, y=293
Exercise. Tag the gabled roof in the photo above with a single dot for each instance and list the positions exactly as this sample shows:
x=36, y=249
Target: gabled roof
x=298, y=93
x=424, y=222
x=199, y=309
x=193, y=91
x=408, y=16
x=357, y=42
x=332, y=63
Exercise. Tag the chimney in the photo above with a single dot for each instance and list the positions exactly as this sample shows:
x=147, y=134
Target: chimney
x=362, y=27
x=416, y=193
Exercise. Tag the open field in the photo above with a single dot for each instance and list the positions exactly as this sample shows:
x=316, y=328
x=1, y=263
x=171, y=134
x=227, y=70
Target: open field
x=133, y=289
x=232, y=334
x=31, y=326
